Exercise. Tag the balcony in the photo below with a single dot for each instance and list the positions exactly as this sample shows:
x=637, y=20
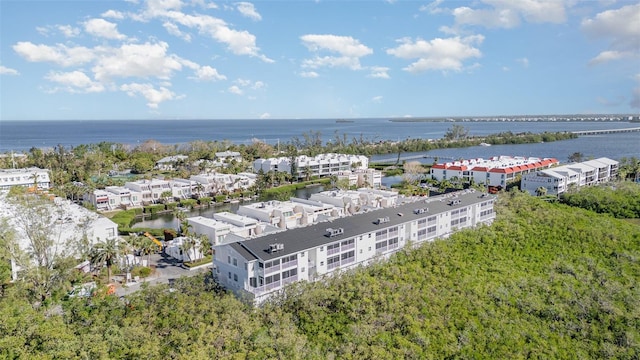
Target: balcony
x=288, y=264
x=333, y=251
x=348, y=247
x=272, y=269
x=290, y=280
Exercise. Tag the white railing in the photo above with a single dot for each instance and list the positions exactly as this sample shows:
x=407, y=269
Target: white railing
x=289, y=264
x=272, y=269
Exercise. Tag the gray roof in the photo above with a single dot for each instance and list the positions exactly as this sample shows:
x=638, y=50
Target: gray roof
x=242, y=251
x=308, y=237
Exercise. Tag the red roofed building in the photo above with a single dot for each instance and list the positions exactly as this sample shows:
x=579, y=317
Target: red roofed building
x=496, y=171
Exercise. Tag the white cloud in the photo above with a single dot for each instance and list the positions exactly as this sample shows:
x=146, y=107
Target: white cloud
x=59, y=54
x=43, y=30
x=376, y=99
x=8, y=71
x=509, y=13
x=243, y=82
x=174, y=30
x=265, y=116
x=160, y=7
x=309, y=74
x=349, y=51
x=621, y=27
x=103, y=28
x=68, y=30
x=153, y=96
x=234, y=89
x=344, y=45
x=609, y=55
x=113, y=14
x=136, y=60
x=248, y=10
x=379, y=72
x=505, y=68
x=238, y=42
x=75, y=81
x=523, y=61
x=438, y=54
x=207, y=73
x=433, y=7
x=258, y=85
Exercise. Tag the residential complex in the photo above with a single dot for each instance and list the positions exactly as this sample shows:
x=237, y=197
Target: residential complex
x=140, y=192
x=259, y=267
x=26, y=177
x=319, y=165
x=557, y=180
x=496, y=171
x=69, y=226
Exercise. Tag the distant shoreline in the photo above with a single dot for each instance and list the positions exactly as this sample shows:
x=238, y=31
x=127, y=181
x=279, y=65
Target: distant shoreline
x=625, y=118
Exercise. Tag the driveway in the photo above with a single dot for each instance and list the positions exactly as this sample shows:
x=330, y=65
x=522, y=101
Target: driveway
x=167, y=269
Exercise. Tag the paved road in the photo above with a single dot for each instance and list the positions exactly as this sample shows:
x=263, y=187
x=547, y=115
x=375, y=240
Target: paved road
x=167, y=270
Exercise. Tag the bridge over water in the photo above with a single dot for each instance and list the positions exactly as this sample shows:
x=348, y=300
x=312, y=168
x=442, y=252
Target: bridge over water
x=609, y=131
x=411, y=157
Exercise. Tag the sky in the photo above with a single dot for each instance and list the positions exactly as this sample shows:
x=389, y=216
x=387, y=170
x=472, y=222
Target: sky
x=290, y=59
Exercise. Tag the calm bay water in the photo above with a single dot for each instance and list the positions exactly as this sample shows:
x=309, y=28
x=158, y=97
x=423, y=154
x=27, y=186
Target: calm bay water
x=20, y=136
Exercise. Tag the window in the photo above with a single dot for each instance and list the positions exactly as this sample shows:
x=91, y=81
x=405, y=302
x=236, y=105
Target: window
x=228, y=259
x=301, y=254
x=321, y=263
x=235, y=262
x=235, y=277
x=229, y=274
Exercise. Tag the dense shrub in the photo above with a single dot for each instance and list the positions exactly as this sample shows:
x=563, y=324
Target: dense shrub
x=622, y=200
x=154, y=209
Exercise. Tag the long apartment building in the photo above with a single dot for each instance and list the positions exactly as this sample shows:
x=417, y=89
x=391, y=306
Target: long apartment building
x=25, y=177
x=557, y=180
x=258, y=268
x=319, y=165
x=496, y=171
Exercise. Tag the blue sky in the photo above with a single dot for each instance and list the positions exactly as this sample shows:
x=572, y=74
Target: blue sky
x=201, y=59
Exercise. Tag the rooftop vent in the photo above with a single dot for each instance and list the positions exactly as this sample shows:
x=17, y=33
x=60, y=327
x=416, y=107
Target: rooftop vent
x=420, y=211
x=382, y=220
x=331, y=232
x=276, y=247
x=454, y=202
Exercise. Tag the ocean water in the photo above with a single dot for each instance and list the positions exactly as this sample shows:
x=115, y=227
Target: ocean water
x=20, y=136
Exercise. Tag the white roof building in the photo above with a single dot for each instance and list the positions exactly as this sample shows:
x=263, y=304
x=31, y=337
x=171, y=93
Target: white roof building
x=151, y=190
x=169, y=163
x=319, y=165
x=260, y=267
x=557, y=180
x=25, y=177
x=69, y=223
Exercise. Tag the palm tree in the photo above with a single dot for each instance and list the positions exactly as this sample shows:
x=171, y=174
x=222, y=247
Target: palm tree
x=147, y=247
x=541, y=191
x=187, y=245
x=205, y=245
x=105, y=252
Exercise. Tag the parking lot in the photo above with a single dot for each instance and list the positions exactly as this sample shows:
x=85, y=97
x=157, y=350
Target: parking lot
x=166, y=269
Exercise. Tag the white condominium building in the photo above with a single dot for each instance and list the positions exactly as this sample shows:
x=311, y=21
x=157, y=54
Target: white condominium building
x=257, y=268
x=558, y=179
x=319, y=165
x=26, y=177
